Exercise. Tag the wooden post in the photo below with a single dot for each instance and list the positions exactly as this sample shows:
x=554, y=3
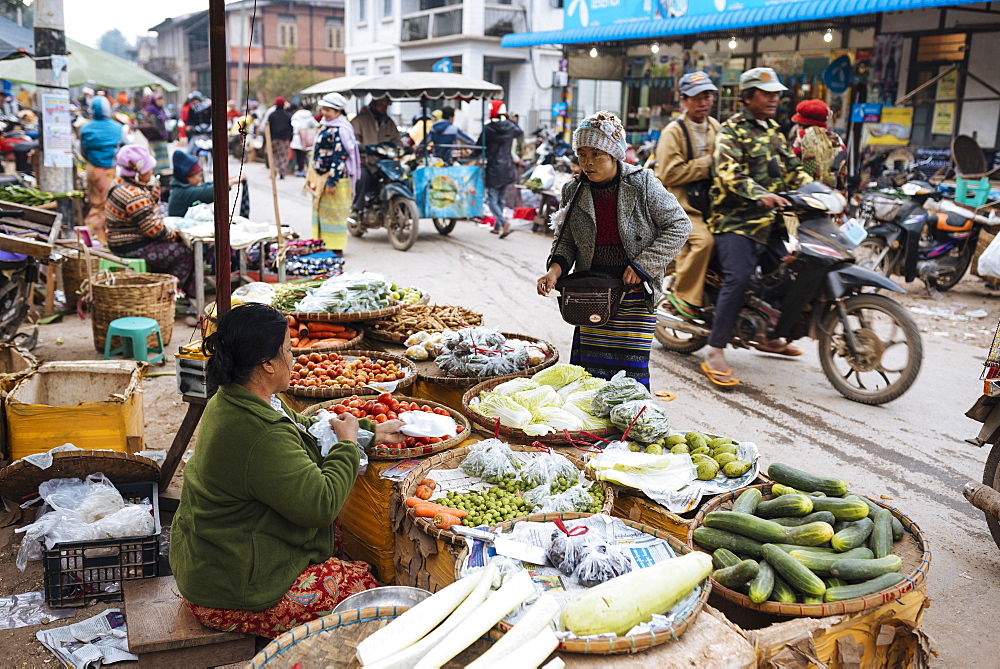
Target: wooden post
x=280, y=255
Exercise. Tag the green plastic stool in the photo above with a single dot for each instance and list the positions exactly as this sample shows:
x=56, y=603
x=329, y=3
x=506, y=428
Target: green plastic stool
x=972, y=193
x=134, y=332
x=137, y=264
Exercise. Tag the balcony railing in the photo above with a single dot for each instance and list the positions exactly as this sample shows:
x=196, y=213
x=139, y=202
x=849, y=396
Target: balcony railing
x=503, y=19
x=440, y=22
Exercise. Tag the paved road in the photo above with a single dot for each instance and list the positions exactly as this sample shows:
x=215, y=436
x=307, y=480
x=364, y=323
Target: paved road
x=910, y=450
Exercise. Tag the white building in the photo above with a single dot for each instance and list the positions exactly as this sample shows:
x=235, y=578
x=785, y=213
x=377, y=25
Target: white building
x=391, y=36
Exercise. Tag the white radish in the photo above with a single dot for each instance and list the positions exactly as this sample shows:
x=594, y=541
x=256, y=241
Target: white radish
x=534, y=620
x=517, y=589
x=410, y=655
x=530, y=654
x=555, y=663
x=414, y=624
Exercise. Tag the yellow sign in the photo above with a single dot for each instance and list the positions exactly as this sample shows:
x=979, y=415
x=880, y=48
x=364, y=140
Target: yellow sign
x=947, y=86
x=893, y=128
x=944, y=118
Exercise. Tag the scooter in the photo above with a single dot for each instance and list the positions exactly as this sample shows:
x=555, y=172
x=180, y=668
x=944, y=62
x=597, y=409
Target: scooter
x=985, y=496
x=389, y=202
x=869, y=346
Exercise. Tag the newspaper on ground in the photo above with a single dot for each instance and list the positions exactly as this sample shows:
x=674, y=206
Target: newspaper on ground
x=101, y=639
x=28, y=609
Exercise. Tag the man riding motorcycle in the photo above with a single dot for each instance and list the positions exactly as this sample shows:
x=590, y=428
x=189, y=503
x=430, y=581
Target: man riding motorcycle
x=372, y=126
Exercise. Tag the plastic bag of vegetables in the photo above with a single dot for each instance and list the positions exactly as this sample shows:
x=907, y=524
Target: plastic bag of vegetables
x=575, y=498
x=619, y=389
x=603, y=562
x=652, y=424
x=490, y=460
x=547, y=468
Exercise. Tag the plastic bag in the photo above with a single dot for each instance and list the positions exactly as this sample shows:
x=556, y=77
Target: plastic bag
x=327, y=439
x=490, y=460
x=134, y=520
x=256, y=291
x=568, y=547
x=619, y=389
x=989, y=261
x=602, y=562
x=648, y=427
x=574, y=498
x=548, y=468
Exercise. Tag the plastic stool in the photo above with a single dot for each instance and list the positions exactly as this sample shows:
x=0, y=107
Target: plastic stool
x=134, y=332
x=137, y=264
x=972, y=193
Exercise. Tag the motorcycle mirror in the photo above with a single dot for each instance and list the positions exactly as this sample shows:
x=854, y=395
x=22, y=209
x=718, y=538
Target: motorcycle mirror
x=774, y=169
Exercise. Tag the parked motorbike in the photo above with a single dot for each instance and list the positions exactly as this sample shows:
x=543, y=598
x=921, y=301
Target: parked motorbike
x=869, y=346
x=985, y=496
x=200, y=137
x=389, y=202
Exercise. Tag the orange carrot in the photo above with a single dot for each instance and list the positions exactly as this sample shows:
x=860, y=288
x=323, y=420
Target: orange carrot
x=428, y=509
x=325, y=327
x=443, y=521
x=295, y=342
x=291, y=321
x=304, y=342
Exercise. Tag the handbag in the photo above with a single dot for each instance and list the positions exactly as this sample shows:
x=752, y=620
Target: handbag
x=150, y=127
x=589, y=298
x=698, y=191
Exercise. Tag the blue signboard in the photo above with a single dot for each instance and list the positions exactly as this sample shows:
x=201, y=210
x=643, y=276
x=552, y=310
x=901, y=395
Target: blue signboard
x=558, y=109
x=443, y=65
x=866, y=113
x=837, y=75
x=449, y=192
x=583, y=13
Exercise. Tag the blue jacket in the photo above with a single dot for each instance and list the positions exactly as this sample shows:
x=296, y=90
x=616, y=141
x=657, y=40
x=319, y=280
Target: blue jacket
x=446, y=132
x=100, y=137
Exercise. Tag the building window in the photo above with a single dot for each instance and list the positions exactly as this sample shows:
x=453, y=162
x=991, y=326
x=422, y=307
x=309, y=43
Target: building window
x=385, y=69
x=256, y=32
x=362, y=11
x=334, y=34
x=287, y=30
x=386, y=9
x=360, y=70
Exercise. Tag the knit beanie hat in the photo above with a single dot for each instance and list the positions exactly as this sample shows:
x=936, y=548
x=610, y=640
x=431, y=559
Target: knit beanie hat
x=602, y=131
x=185, y=166
x=811, y=112
x=497, y=108
x=135, y=159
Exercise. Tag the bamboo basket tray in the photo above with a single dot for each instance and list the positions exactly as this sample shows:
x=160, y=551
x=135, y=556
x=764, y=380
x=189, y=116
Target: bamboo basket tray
x=451, y=460
x=329, y=393
x=347, y=345
x=351, y=317
x=21, y=479
x=913, y=549
x=390, y=453
x=489, y=425
x=396, y=338
x=617, y=644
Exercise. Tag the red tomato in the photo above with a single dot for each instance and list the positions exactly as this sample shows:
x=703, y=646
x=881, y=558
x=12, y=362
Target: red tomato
x=339, y=409
x=393, y=405
x=357, y=413
x=441, y=411
x=391, y=415
x=434, y=440
x=379, y=408
x=356, y=404
x=380, y=418
x=385, y=398
x=369, y=405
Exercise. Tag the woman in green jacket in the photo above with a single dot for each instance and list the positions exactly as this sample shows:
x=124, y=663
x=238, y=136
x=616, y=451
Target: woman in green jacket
x=252, y=542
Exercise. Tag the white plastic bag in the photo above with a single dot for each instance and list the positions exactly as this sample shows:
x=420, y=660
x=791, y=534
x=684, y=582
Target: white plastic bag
x=989, y=262
x=327, y=439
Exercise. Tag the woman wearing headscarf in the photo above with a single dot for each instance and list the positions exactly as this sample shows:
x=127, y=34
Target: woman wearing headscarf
x=619, y=220
x=816, y=145
x=335, y=157
x=158, y=142
x=99, y=140
x=135, y=226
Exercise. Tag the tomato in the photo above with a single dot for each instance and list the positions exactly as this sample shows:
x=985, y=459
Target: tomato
x=441, y=411
x=379, y=378
x=385, y=398
x=311, y=366
x=314, y=357
x=379, y=408
x=355, y=404
x=369, y=405
x=380, y=418
x=391, y=415
x=393, y=405
x=434, y=440
x=339, y=409
x=357, y=413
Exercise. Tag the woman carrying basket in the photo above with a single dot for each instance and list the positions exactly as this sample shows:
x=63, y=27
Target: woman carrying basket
x=619, y=221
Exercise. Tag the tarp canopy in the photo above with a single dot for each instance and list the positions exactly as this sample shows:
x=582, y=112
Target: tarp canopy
x=15, y=40
x=414, y=85
x=88, y=66
x=717, y=22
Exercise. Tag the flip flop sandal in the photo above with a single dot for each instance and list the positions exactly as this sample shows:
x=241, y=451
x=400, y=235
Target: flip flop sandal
x=505, y=235
x=789, y=351
x=681, y=307
x=721, y=379
x=665, y=396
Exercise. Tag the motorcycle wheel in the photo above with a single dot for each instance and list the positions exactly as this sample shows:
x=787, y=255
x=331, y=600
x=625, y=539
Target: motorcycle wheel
x=952, y=279
x=676, y=340
x=445, y=225
x=402, y=220
x=867, y=251
x=881, y=328
x=991, y=477
x=355, y=227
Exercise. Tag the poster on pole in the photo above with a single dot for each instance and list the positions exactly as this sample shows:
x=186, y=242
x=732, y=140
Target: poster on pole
x=57, y=130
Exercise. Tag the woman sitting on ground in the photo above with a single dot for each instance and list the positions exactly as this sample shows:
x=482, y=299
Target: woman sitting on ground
x=252, y=543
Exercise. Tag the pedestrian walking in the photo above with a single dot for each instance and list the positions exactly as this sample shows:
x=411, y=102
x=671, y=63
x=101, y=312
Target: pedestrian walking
x=280, y=123
x=158, y=139
x=337, y=161
x=99, y=140
x=499, y=135
x=617, y=219
x=304, y=126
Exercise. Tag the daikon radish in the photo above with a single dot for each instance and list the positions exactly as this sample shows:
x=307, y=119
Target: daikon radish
x=510, y=595
x=414, y=624
x=410, y=655
x=534, y=620
x=555, y=663
x=531, y=653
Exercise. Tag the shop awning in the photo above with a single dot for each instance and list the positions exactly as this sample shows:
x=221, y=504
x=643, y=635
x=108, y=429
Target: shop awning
x=718, y=22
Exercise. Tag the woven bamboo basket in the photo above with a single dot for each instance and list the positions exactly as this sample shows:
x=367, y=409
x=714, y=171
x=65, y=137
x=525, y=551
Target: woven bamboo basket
x=347, y=345
x=489, y=425
x=429, y=371
x=617, y=644
x=352, y=317
x=122, y=294
x=15, y=364
x=389, y=453
x=451, y=460
x=374, y=332
x=75, y=272
x=21, y=479
x=913, y=549
x=329, y=393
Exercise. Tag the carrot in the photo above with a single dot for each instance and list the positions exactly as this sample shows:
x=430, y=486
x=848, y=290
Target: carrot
x=423, y=492
x=325, y=327
x=304, y=342
x=303, y=332
x=425, y=509
x=413, y=501
x=443, y=521
x=429, y=483
x=291, y=321
x=295, y=342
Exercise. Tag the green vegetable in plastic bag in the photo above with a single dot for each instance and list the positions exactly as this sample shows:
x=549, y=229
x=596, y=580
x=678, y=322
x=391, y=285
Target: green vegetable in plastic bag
x=619, y=389
x=648, y=427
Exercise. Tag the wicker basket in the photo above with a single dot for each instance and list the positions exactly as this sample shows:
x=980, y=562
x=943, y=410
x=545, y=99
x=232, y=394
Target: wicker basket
x=429, y=371
x=352, y=317
x=617, y=644
x=75, y=272
x=395, y=338
x=122, y=294
x=21, y=479
x=329, y=393
x=451, y=460
x=334, y=347
x=912, y=549
x=388, y=453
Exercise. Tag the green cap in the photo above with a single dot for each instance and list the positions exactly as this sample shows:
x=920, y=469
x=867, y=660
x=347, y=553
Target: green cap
x=763, y=78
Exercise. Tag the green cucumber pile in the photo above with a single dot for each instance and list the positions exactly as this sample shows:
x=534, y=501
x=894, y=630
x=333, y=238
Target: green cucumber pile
x=813, y=542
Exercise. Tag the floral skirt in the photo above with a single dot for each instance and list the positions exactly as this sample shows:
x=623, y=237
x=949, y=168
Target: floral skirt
x=330, y=214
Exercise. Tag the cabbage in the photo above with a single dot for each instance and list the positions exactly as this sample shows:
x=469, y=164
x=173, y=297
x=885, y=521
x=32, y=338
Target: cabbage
x=557, y=419
x=514, y=386
x=619, y=389
x=590, y=421
x=582, y=400
x=586, y=383
x=503, y=407
x=544, y=396
x=558, y=376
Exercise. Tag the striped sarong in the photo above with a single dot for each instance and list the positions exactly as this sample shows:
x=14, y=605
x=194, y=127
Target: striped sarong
x=159, y=151
x=330, y=214
x=623, y=343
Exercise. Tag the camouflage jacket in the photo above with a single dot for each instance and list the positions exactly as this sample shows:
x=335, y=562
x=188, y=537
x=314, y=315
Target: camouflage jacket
x=743, y=149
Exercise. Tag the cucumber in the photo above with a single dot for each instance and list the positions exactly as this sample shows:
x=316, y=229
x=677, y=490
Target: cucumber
x=723, y=557
x=747, y=501
x=813, y=534
x=784, y=506
x=737, y=576
x=811, y=599
x=853, y=535
x=777, y=490
x=814, y=517
x=793, y=571
x=821, y=563
x=796, y=478
x=748, y=526
x=877, y=584
x=762, y=586
x=842, y=509
x=862, y=570
x=897, y=527
x=880, y=540
x=822, y=550
x=708, y=537
x=782, y=592
x=833, y=582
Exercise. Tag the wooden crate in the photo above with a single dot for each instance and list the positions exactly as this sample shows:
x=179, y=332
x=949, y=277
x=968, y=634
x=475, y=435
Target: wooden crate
x=46, y=223
x=642, y=510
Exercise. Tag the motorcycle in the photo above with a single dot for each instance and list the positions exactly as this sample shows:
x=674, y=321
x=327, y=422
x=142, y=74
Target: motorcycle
x=869, y=346
x=200, y=137
x=389, y=201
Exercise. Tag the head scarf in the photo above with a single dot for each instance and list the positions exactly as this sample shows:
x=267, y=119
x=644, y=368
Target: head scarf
x=135, y=159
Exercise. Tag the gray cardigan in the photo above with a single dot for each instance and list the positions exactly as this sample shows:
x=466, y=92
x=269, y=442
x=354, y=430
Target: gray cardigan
x=652, y=225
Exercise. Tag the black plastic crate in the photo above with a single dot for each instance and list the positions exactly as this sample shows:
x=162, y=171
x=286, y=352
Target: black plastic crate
x=80, y=572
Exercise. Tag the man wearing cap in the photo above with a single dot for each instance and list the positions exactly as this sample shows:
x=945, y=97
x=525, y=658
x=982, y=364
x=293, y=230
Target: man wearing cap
x=684, y=165
x=499, y=135
x=749, y=149
x=372, y=126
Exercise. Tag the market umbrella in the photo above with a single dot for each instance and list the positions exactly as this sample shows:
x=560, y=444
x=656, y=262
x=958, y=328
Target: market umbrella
x=338, y=85
x=432, y=85
x=15, y=40
x=88, y=66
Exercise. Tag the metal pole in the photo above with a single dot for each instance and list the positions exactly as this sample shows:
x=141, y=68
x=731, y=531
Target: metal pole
x=220, y=164
x=52, y=75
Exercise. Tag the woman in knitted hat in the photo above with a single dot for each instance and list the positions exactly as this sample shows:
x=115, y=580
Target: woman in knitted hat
x=816, y=145
x=619, y=220
x=188, y=185
x=135, y=226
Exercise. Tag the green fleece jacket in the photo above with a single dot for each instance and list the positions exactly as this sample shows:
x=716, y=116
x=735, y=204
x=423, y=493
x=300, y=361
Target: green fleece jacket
x=258, y=503
x=184, y=195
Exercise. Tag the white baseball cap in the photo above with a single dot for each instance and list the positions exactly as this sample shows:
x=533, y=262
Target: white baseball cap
x=333, y=101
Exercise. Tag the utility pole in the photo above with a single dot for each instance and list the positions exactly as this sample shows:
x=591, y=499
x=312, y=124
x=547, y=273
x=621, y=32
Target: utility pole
x=52, y=76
